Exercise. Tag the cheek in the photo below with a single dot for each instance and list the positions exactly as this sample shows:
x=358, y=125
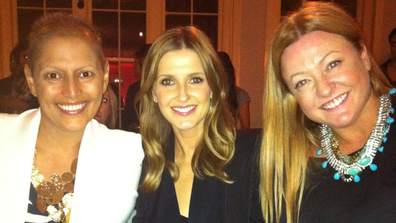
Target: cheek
x=163, y=96
x=47, y=90
x=203, y=93
x=306, y=103
x=95, y=90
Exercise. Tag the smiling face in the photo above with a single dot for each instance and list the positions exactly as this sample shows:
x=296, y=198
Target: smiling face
x=329, y=79
x=69, y=80
x=182, y=90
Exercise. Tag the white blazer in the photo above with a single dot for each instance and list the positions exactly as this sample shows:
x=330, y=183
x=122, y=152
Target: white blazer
x=108, y=170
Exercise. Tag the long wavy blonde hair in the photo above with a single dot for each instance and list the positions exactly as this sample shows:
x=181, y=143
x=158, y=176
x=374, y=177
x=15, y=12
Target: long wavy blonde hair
x=288, y=135
x=217, y=144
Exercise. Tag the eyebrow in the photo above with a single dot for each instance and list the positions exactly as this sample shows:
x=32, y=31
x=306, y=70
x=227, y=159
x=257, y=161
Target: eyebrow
x=189, y=75
x=320, y=62
x=334, y=51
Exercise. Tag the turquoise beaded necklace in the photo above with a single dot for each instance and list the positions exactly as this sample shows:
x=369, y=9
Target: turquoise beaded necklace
x=349, y=170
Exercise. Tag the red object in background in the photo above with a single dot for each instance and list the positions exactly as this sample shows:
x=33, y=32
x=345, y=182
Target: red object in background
x=127, y=77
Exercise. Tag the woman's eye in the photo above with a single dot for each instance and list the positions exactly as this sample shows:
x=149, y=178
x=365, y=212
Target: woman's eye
x=53, y=75
x=334, y=64
x=86, y=74
x=300, y=84
x=166, y=82
x=196, y=80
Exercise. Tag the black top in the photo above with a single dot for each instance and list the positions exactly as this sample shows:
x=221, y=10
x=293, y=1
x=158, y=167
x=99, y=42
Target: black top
x=183, y=219
x=212, y=200
x=373, y=199
x=130, y=119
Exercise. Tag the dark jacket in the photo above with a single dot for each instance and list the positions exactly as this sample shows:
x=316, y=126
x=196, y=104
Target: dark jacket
x=211, y=199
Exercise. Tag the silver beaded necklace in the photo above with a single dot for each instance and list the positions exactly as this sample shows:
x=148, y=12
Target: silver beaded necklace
x=349, y=171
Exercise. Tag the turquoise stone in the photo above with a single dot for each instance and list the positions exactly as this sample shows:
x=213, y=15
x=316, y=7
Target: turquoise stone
x=324, y=164
x=384, y=139
x=392, y=110
x=337, y=176
x=353, y=171
x=373, y=167
x=365, y=161
x=392, y=91
x=390, y=120
x=381, y=149
x=319, y=152
x=356, y=179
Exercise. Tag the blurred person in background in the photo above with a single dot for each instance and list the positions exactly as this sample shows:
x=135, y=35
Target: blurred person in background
x=108, y=111
x=389, y=67
x=15, y=96
x=130, y=119
x=238, y=98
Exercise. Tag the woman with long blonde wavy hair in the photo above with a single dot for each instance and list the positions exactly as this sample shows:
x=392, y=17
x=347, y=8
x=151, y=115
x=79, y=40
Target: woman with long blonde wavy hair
x=196, y=167
x=326, y=110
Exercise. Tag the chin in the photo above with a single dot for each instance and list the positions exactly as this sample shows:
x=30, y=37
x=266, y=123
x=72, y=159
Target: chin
x=77, y=126
x=340, y=124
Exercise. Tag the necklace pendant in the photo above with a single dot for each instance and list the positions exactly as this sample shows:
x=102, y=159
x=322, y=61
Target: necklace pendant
x=348, y=167
x=337, y=176
x=57, y=197
x=51, y=196
x=41, y=204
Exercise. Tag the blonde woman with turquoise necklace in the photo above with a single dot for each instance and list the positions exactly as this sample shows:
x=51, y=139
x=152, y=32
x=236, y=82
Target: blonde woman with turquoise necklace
x=329, y=147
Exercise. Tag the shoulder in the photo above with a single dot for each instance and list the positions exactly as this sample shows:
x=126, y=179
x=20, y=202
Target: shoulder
x=248, y=139
x=119, y=141
x=385, y=64
x=247, y=147
x=6, y=80
x=134, y=87
x=7, y=120
x=242, y=94
x=4, y=118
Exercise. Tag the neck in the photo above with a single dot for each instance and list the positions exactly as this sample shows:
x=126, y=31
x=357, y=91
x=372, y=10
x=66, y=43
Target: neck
x=354, y=137
x=185, y=145
x=56, y=142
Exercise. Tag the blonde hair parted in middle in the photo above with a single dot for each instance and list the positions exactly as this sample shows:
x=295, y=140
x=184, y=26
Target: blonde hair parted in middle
x=289, y=136
x=217, y=144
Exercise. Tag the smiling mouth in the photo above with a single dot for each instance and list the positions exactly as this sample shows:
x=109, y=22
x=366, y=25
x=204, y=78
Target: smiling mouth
x=335, y=103
x=72, y=107
x=184, y=109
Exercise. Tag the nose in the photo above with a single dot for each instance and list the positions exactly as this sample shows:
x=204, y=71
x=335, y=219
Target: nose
x=183, y=93
x=324, y=86
x=71, y=88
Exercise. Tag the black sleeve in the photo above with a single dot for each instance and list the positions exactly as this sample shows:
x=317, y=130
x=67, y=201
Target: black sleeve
x=129, y=114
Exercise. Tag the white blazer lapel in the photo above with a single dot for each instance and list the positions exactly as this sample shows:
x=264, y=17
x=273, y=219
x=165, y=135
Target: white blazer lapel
x=17, y=142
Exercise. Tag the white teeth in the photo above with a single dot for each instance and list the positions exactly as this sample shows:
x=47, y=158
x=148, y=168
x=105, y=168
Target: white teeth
x=185, y=109
x=71, y=107
x=335, y=102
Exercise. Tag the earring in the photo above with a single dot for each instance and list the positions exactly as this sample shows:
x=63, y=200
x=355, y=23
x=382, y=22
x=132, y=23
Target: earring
x=34, y=94
x=155, y=99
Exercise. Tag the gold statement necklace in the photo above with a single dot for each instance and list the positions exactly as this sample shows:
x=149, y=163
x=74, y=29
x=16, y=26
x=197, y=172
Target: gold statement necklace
x=51, y=194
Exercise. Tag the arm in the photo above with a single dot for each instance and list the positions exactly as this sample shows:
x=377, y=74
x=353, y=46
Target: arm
x=244, y=116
